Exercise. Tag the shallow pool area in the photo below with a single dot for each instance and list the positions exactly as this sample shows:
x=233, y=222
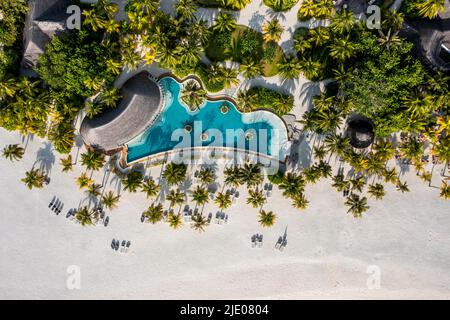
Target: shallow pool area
x=212, y=125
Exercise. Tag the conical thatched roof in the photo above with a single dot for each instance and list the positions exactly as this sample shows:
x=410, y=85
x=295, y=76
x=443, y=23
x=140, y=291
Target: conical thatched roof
x=141, y=103
x=45, y=19
x=360, y=132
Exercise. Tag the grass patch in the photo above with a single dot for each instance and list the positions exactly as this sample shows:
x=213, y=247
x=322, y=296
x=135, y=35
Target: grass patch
x=242, y=43
x=264, y=98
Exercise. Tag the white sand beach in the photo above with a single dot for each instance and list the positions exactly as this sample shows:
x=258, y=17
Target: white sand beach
x=328, y=255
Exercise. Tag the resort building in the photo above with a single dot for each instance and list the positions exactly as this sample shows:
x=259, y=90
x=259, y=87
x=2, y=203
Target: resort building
x=432, y=39
x=140, y=105
x=45, y=19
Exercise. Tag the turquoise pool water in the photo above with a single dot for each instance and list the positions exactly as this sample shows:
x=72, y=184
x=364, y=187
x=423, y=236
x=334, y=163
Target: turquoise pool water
x=168, y=130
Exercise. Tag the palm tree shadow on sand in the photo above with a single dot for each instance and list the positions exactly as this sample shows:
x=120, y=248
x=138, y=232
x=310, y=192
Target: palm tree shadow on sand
x=45, y=158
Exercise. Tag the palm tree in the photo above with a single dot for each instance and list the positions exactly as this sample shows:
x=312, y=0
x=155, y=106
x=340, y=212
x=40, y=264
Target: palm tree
x=110, y=97
x=93, y=19
x=175, y=173
x=174, y=220
x=84, y=181
x=267, y=218
x=340, y=183
x=272, y=30
x=133, y=181
x=289, y=67
x=384, y=150
x=342, y=49
x=430, y=8
x=86, y=217
x=200, y=196
x=92, y=160
x=402, y=186
x=13, y=152
x=232, y=176
x=229, y=77
x=319, y=36
x=93, y=190
x=376, y=191
x=324, y=169
x=154, y=213
x=110, y=200
x=389, y=39
x=256, y=198
x=336, y=144
x=393, y=20
x=358, y=183
x=175, y=197
x=224, y=22
x=34, y=178
x=206, y=176
x=299, y=201
x=292, y=184
x=186, y=9
x=200, y=222
x=247, y=102
x=193, y=95
x=319, y=152
x=150, y=188
x=66, y=163
x=223, y=200
x=343, y=22
x=251, y=68
x=390, y=175
x=251, y=175
x=445, y=190
x=357, y=205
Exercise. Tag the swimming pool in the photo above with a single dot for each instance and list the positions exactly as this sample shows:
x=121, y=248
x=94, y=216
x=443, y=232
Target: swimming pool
x=211, y=125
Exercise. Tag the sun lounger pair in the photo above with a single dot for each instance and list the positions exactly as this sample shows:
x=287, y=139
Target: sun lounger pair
x=124, y=247
x=281, y=243
x=221, y=218
x=257, y=240
x=56, y=205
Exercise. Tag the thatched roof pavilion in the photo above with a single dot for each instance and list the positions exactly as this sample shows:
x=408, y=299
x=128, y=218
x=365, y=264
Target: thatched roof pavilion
x=46, y=18
x=141, y=103
x=359, y=131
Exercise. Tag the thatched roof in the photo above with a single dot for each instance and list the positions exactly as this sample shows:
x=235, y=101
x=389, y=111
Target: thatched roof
x=45, y=19
x=360, y=132
x=429, y=36
x=140, y=105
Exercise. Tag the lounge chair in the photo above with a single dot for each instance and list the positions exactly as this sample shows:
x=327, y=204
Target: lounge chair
x=117, y=245
x=209, y=217
x=55, y=205
x=122, y=247
x=260, y=240
x=143, y=217
x=279, y=243
x=226, y=219
x=128, y=246
x=113, y=244
x=52, y=202
x=59, y=209
x=106, y=222
x=253, y=241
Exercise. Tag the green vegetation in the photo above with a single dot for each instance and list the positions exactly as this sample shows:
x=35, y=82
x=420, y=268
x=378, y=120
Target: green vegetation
x=423, y=8
x=226, y=4
x=318, y=9
x=280, y=5
x=243, y=44
x=262, y=98
x=11, y=25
